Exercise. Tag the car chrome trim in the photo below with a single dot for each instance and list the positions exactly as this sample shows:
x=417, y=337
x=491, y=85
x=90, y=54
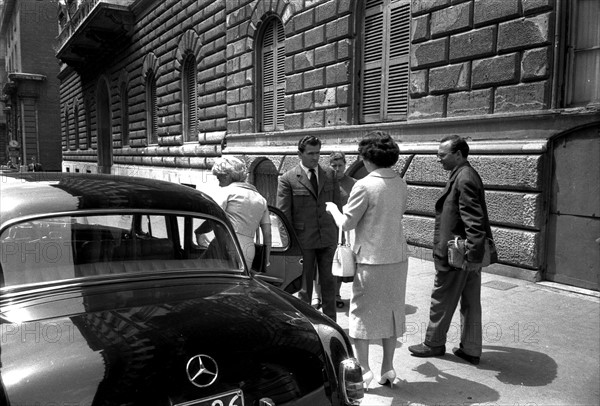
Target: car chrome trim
x=202, y=370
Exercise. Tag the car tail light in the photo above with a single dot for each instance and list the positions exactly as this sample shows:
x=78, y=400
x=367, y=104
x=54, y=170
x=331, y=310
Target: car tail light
x=351, y=382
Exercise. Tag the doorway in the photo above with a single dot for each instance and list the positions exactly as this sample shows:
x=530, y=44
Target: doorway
x=265, y=176
x=573, y=233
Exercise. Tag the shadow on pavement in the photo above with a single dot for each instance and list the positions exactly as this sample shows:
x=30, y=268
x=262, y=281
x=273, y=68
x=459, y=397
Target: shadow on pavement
x=516, y=366
x=446, y=389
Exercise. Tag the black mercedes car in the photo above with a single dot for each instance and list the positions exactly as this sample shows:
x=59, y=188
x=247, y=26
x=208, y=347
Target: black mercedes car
x=129, y=291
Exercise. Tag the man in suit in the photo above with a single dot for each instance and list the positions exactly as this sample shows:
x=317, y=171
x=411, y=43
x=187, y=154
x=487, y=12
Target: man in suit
x=460, y=211
x=301, y=195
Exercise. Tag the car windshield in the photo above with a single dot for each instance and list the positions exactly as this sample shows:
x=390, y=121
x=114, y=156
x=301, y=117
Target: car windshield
x=81, y=246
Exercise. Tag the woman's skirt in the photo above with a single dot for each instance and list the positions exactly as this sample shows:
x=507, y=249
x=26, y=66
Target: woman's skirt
x=377, y=302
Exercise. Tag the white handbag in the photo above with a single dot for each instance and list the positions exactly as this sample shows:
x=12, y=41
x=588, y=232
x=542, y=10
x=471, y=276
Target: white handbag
x=344, y=260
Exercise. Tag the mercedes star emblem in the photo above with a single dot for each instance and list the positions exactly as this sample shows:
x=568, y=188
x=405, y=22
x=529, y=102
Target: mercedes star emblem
x=202, y=370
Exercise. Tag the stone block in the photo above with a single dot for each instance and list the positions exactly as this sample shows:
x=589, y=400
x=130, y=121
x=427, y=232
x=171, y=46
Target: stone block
x=495, y=71
x=304, y=60
x=513, y=209
x=507, y=209
x=339, y=28
x=515, y=247
x=473, y=103
x=324, y=54
x=420, y=28
x=418, y=82
x=293, y=121
x=337, y=74
x=303, y=20
x=294, y=83
x=535, y=64
x=314, y=37
x=449, y=78
x=535, y=6
x=488, y=11
x=325, y=97
x=344, y=49
x=523, y=97
x=314, y=79
x=294, y=44
x=423, y=6
x=314, y=119
x=515, y=172
x=429, y=53
x=473, y=44
x=451, y=19
x=524, y=33
x=326, y=11
x=337, y=117
x=342, y=95
x=427, y=107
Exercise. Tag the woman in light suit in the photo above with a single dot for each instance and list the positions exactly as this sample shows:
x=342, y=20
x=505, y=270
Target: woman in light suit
x=374, y=210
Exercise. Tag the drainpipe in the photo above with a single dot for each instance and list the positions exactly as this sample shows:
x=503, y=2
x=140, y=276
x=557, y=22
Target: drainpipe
x=557, y=46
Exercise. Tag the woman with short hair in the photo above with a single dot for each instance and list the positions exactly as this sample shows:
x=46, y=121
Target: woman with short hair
x=374, y=210
x=244, y=205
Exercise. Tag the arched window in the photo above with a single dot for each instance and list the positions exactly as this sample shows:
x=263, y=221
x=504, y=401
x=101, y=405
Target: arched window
x=87, y=104
x=271, y=76
x=190, y=116
x=76, y=124
x=385, y=65
x=124, y=114
x=151, y=112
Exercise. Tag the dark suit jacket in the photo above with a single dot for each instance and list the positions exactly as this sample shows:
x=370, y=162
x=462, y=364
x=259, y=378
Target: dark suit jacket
x=305, y=210
x=461, y=210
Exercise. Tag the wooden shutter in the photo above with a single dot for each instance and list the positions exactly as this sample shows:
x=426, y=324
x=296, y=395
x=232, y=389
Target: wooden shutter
x=584, y=54
x=273, y=77
x=385, y=69
x=76, y=124
x=124, y=115
x=191, y=116
x=151, y=113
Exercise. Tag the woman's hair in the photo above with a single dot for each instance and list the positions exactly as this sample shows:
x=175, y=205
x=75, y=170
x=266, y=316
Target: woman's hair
x=229, y=165
x=379, y=148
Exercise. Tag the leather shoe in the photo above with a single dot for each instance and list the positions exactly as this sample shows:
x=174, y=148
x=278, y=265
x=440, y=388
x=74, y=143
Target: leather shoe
x=423, y=350
x=471, y=359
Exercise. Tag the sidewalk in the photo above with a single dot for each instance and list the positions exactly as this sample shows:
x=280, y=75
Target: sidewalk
x=540, y=347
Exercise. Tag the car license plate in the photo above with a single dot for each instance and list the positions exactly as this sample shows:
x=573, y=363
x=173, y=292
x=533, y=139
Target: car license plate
x=233, y=398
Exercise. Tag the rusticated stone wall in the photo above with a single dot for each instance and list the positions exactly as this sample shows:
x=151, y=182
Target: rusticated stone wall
x=480, y=57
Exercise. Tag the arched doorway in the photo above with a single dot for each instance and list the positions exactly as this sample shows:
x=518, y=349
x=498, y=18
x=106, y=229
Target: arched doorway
x=265, y=176
x=104, y=127
x=573, y=248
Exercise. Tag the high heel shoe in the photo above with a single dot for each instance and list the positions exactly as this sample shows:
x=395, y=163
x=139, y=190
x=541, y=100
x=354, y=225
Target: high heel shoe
x=367, y=378
x=389, y=376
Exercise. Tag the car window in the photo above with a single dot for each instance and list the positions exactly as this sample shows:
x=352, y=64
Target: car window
x=60, y=248
x=279, y=234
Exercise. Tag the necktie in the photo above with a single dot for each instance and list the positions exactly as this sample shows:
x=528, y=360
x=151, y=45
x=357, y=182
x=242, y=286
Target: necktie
x=313, y=180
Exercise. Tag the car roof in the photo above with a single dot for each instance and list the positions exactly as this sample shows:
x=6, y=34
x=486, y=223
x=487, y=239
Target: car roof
x=34, y=193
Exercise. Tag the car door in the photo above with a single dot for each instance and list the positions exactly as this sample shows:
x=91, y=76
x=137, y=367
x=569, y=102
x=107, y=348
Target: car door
x=285, y=268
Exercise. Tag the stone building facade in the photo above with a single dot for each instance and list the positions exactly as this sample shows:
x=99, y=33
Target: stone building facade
x=161, y=88
x=30, y=120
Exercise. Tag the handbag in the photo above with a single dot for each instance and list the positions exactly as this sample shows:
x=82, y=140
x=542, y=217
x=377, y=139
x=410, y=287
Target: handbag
x=259, y=262
x=344, y=259
x=456, y=252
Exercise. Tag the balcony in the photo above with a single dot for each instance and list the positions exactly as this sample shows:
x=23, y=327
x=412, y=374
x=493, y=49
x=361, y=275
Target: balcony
x=93, y=31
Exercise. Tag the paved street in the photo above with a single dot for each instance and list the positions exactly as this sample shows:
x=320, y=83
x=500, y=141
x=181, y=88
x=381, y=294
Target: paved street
x=540, y=347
